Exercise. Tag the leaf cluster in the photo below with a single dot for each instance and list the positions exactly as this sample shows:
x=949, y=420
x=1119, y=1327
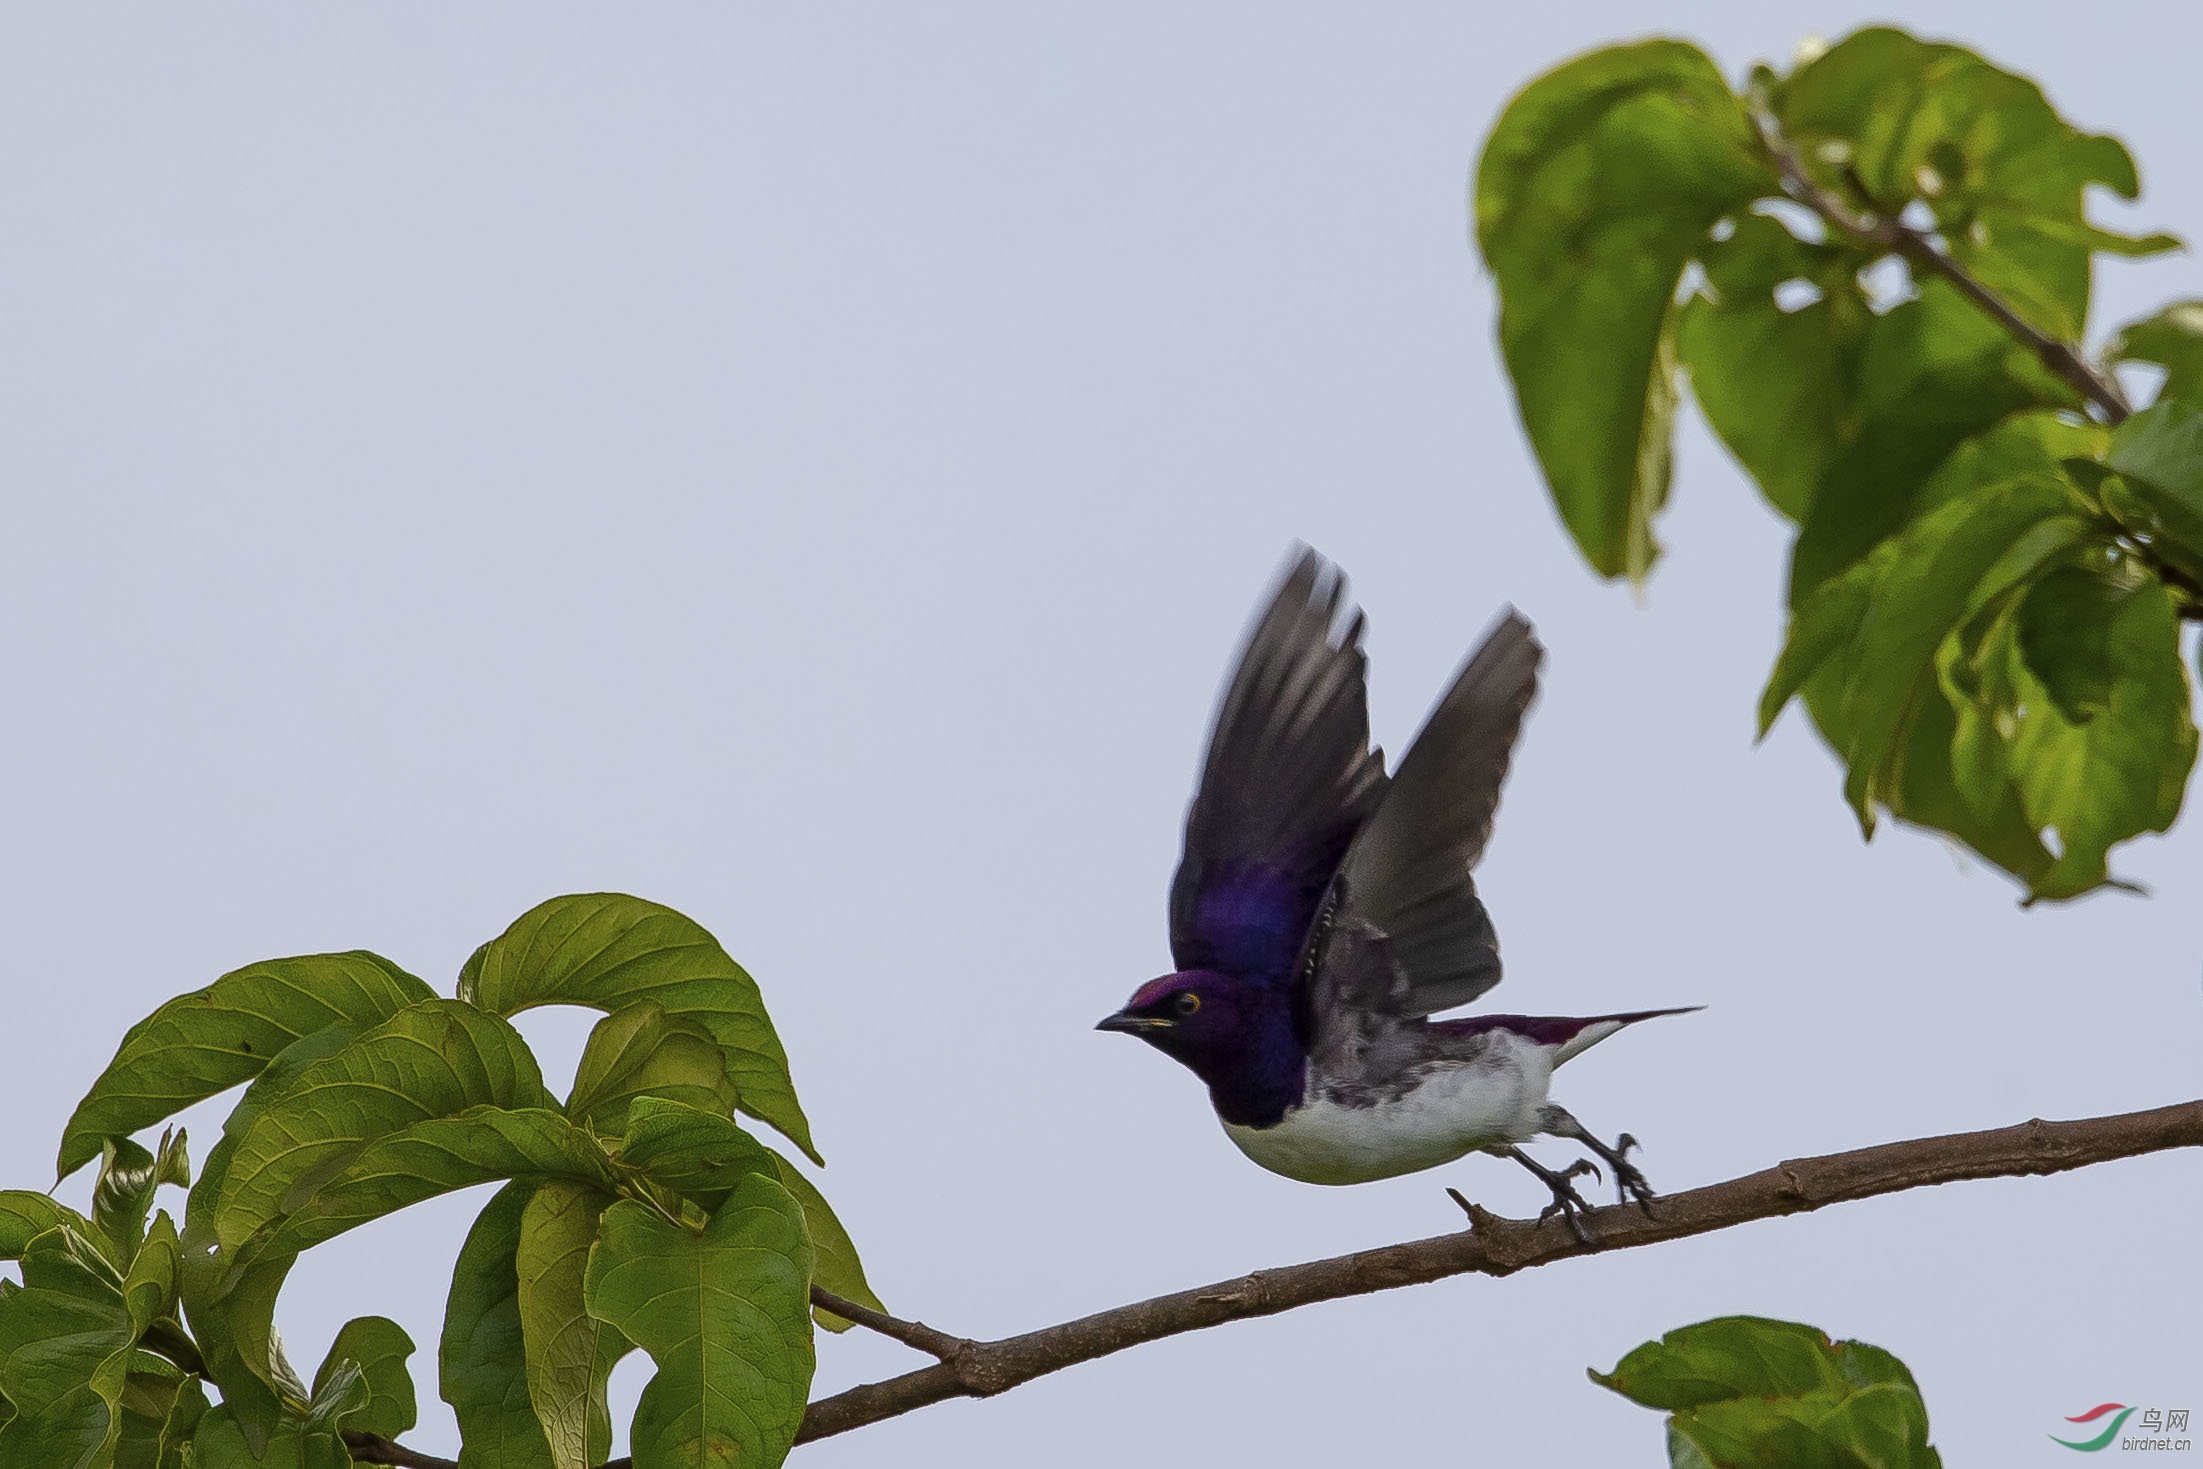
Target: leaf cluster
x=636, y=1213
x=1743, y=1392
x=1870, y=273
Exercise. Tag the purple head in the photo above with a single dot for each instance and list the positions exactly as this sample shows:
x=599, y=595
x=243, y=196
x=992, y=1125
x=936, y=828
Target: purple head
x=1236, y=1034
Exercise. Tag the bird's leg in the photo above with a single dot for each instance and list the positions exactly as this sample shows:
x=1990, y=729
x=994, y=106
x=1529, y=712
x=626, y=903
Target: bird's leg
x=1628, y=1182
x=1566, y=1201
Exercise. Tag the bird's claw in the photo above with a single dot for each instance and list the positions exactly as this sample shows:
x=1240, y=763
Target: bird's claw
x=1630, y=1186
x=1567, y=1202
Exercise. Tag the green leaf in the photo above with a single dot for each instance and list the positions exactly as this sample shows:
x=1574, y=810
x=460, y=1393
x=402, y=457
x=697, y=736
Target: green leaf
x=436, y=1156
x=834, y=1263
x=212, y=1291
x=725, y=1314
x=1777, y=385
x=1890, y=614
x=2101, y=737
x=1597, y=186
x=172, y=1161
x=2173, y=340
x=161, y=1407
x=66, y=1341
x=569, y=1352
x=607, y=950
x=377, y=1347
x=693, y=1152
x=149, y=1290
x=295, y=1443
x=123, y=1194
x=24, y=1216
x=1940, y=573
x=1746, y=1391
x=210, y=1040
x=1728, y=1357
x=1888, y=120
x=1933, y=374
x=439, y=1155
x=483, y=1355
x=2162, y=448
x=641, y=1051
x=433, y=1059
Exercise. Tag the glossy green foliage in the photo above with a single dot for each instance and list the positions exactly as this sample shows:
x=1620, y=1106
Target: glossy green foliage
x=367, y=1094
x=210, y=1040
x=483, y=1358
x=724, y=1313
x=608, y=950
x=1596, y=188
x=641, y=1051
x=1987, y=582
x=570, y=1353
x=1743, y=1392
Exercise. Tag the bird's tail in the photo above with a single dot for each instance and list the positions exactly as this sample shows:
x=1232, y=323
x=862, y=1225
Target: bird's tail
x=1599, y=1027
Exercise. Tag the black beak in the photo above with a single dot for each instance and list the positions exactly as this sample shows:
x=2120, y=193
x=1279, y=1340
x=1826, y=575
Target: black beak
x=1133, y=1024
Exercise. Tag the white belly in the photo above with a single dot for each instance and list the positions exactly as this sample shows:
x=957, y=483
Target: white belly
x=1453, y=1112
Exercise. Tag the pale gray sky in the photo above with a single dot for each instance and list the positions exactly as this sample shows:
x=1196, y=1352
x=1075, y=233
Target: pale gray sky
x=810, y=466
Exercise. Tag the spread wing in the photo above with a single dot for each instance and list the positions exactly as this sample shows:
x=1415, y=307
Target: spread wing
x=1288, y=781
x=1403, y=933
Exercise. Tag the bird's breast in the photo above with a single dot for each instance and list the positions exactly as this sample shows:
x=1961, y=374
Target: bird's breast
x=1352, y=1133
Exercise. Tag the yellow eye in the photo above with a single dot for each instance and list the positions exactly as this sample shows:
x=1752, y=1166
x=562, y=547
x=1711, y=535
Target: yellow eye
x=1186, y=1003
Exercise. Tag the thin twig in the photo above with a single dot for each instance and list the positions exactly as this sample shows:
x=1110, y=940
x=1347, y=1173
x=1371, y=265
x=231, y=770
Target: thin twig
x=1918, y=248
x=910, y=1333
x=1491, y=1246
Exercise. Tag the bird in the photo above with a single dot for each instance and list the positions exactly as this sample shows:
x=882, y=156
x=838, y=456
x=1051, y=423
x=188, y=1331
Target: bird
x=1323, y=913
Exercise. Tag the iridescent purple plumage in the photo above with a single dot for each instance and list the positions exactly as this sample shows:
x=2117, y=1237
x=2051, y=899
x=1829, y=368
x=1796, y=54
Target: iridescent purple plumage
x=1323, y=911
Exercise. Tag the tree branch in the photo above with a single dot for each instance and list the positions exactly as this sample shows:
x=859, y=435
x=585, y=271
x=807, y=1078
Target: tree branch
x=1918, y=248
x=1492, y=1246
x=1496, y=1246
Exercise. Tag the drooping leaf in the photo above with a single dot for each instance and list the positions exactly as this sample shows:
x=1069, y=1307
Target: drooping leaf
x=641, y=1051
x=1777, y=381
x=691, y=1151
x=1889, y=615
x=1890, y=121
x=482, y=1144
x=1933, y=374
x=210, y=1040
x=1598, y=184
x=434, y=1059
x=569, y=1352
x=1746, y=1391
x=439, y=1155
x=2173, y=340
x=724, y=1314
x=66, y=1341
x=377, y=1347
x=607, y=950
x=834, y=1263
x=215, y=1290
x=483, y=1355
x=2101, y=736
x=1940, y=574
